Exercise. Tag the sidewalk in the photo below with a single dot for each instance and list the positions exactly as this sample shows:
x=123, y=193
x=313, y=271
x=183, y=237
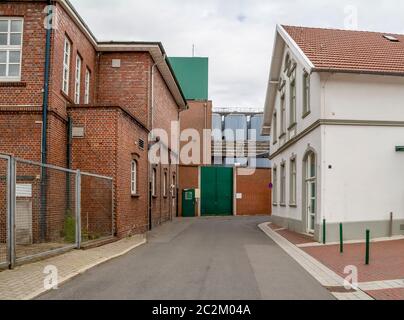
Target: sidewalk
x=27, y=282
x=383, y=279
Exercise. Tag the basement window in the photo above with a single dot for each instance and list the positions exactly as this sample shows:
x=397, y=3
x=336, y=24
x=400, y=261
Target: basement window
x=391, y=38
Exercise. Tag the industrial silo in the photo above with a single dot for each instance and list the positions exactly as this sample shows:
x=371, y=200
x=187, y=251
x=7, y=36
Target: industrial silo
x=235, y=127
x=217, y=127
x=256, y=124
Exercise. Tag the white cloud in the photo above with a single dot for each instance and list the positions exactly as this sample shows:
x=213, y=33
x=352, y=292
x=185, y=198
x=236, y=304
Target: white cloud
x=237, y=35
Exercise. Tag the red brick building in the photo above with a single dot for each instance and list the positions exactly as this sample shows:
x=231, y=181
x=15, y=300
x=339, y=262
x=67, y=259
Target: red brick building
x=113, y=94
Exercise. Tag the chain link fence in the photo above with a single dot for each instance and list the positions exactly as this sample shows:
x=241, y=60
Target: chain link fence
x=51, y=209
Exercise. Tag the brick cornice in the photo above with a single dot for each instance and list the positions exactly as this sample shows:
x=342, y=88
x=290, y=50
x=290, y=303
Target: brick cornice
x=122, y=109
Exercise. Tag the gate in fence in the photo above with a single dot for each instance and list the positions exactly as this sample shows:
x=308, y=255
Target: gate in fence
x=46, y=210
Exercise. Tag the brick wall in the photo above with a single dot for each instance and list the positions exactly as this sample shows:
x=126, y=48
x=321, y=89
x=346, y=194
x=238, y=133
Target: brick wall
x=127, y=86
x=256, y=193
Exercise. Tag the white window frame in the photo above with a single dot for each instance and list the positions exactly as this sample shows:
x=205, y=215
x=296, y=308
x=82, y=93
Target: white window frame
x=283, y=114
x=275, y=127
x=306, y=94
x=275, y=186
x=292, y=102
x=293, y=182
x=87, y=87
x=153, y=182
x=174, y=186
x=9, y=48
x=283, y=184
x=133, y=178
x=77, y=80
x=67, y=51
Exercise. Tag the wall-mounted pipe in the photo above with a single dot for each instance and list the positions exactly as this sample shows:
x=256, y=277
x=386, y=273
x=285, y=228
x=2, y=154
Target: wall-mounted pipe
x=44, y=155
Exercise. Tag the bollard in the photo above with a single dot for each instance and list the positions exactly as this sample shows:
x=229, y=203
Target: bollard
x=324, y=232
x=341, y=238
x=367, y=247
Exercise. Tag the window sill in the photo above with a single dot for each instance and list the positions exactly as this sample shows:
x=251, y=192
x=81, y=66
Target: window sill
x=154, y=197
x=292, y=126
x=283, y=204
x=305, y=115
x=64, y=95
x=293, y=205
x=275, y=204
x=17, y=84
x=282, y=135
x=135, y=195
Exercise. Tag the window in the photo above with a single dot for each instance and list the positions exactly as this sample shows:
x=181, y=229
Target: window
x=10, y=49
x=87, y=87
x=292, y=102
x=77, y=80
x=153, y=186
x=293, y=182
x=283, y=184
x=133, y=178
x=174, y=187
x=66, y=66
x=275, y=128
x=306, y=94
x=283, y=115
x=287, y=63
x=165, y=182
x=275, y=186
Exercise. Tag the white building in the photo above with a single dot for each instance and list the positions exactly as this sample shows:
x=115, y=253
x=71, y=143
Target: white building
x=335, y=109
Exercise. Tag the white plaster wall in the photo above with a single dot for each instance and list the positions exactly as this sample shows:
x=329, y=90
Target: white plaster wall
x=363, y=97
x=315, y=103
x=366, y=181
x=312, y=140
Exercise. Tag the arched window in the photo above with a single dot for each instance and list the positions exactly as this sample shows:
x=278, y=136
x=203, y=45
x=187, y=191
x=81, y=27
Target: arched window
x=133, y=178
x=310, y=175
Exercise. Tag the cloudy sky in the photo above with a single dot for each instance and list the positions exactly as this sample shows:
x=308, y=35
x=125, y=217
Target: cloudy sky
x=237, y=35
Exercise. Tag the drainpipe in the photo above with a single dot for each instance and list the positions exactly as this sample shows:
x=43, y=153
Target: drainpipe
x=43, y=221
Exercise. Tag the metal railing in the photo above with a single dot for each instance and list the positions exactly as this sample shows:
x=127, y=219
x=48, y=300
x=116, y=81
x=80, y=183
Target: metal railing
x=46, y=210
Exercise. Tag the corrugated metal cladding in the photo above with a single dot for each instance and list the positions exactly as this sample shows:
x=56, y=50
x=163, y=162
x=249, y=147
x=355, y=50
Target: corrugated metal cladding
x=256, y=123
x=235, y=128
x=217, y=127
x=193, y=76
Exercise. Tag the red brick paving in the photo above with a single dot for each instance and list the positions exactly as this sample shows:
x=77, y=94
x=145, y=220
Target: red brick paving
x=390, y=294
x=387, y=260
x=295, y=238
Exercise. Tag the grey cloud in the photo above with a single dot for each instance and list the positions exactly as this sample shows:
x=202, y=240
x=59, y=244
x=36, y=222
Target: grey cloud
x=237, y=35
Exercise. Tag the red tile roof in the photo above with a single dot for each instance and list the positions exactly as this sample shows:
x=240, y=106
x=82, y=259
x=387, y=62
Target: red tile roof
x=351, y=51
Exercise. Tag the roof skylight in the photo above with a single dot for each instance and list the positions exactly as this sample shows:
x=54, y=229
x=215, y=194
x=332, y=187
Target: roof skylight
x=391, y=38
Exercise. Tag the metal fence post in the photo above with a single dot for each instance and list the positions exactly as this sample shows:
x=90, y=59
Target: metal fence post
x=78, y=209
x=11, y=200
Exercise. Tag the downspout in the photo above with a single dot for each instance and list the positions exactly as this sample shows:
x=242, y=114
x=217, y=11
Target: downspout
x=43, y=222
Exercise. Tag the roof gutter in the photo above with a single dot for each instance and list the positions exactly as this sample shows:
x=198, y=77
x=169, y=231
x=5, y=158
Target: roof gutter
x=368, y=72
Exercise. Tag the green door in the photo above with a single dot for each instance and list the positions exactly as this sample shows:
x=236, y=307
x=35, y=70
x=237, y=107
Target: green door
x=188, y=203
x=216, y=191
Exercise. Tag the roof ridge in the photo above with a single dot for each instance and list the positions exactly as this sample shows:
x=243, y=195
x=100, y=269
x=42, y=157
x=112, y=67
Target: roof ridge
x=340, y=29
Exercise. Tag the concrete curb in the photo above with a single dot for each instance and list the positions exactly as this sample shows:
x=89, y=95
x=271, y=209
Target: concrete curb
x=85, y=269
x=326, y=277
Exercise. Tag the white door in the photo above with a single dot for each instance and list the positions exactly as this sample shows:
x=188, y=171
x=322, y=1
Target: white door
x=311, y=191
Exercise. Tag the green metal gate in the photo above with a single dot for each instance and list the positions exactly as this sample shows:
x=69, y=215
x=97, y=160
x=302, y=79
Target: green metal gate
x=216, y=191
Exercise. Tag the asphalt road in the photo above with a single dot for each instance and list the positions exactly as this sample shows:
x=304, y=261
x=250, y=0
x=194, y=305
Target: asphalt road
x=199, y=259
